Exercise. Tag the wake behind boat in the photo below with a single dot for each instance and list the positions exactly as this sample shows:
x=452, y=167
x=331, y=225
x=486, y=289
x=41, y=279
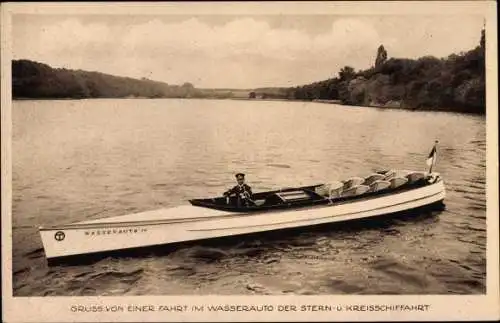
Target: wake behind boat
x=381, y=193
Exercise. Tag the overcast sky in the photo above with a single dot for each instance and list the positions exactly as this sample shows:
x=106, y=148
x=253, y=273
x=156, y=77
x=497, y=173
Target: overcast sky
x=235, y=51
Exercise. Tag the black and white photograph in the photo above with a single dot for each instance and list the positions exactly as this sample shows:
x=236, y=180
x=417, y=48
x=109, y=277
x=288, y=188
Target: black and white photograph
x=250, y=153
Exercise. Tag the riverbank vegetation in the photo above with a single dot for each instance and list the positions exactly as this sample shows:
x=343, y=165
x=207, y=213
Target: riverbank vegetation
x=34, y=80
x=454, y=83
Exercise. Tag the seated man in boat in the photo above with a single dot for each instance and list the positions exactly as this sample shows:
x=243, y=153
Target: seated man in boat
x=242, y=192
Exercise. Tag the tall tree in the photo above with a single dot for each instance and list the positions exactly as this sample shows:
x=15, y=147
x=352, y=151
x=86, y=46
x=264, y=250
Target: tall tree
x=483, y=39
x=381, y=56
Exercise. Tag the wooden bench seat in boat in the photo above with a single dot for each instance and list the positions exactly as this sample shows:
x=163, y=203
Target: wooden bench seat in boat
x=352, y=182
x=398, y=181
x=330, y=190
x=396, y=173
x=372, y=178
x=356, y=190
x=379, y=185
x=415, y=177
x=293, y=196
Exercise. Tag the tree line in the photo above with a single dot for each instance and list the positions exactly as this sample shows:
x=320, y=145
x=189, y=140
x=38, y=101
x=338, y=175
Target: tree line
x=36, y=80
x=454, y=83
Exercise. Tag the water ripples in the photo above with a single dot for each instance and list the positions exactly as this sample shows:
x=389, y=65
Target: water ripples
x=124, y=171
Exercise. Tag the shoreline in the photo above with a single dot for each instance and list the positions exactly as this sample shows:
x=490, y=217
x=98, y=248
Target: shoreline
x=336, y=102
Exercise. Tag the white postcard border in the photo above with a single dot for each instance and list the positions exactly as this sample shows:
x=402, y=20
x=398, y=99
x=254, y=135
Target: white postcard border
x=58, y=309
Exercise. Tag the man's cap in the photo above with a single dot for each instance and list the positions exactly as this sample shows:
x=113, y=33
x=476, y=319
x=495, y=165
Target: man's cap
x=240, y=175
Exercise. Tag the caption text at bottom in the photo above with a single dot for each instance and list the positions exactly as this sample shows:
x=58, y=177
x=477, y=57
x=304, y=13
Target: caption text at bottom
x=253, y=308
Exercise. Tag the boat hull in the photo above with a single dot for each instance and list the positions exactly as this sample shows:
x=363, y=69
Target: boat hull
x=190, y=223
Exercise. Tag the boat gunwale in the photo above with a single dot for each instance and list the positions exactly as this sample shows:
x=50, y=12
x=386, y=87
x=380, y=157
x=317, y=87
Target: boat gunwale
x=329, y=216
x=315, y=204
x=300, y=204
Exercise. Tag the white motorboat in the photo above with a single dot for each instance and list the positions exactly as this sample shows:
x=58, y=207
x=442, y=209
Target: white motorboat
x=381, y=193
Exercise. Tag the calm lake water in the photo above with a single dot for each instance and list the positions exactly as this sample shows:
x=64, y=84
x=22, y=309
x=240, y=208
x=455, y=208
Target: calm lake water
x=89, y=159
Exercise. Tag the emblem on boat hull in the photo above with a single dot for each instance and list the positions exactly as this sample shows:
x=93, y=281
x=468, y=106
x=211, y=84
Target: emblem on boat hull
x=59, y=236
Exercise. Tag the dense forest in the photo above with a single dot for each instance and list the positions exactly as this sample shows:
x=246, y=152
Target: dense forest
x=454, y=83
x=36, y=80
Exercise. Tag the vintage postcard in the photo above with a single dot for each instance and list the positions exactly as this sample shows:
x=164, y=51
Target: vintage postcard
x=262, y=161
